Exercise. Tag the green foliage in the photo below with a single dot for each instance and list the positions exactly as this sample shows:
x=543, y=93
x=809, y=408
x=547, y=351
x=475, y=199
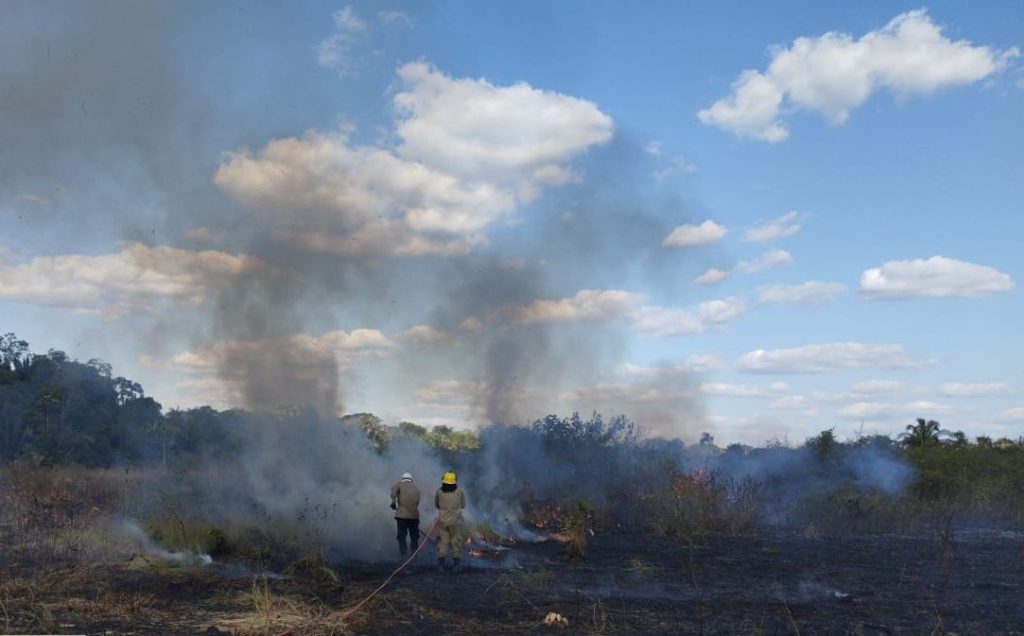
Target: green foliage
x=981, y=479
x=923, y=433
x=824, y=444
x=577, y=525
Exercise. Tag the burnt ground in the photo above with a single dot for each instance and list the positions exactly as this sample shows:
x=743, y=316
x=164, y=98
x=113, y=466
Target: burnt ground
x=964, y=583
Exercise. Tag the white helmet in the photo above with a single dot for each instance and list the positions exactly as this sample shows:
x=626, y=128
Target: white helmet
x=406, y=476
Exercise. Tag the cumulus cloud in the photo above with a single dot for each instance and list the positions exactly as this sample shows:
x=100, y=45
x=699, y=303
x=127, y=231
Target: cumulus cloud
x=880, y=387
x=424, y=335
x=705, y=362
x=712, y=276
x=742, y=390
x=335, y=52
x=662, y=322
x=468, y=154
x=835, y=73
x=812, y=293
x=696, y=363
x=974, y=389
x=672, y=165
x=517, y=136
x=822, y=358
x=608, y=305
x=134, y=279
x=688, y=235
x=791, y=402
x=786, y=225
x=888, y=411
x=768, y=260
x=936, y=277
x=588, y=305
x=396, y=18
x=448, y=392
x=1016, y=413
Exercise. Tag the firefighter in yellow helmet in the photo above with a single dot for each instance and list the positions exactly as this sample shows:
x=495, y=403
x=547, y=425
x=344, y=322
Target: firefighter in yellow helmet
x=449, y=501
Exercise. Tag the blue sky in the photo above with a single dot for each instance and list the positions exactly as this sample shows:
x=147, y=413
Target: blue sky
x=761, y=221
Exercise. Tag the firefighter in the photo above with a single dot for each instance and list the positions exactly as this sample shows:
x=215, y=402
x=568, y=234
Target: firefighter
x=449, y=501
x=405, y=501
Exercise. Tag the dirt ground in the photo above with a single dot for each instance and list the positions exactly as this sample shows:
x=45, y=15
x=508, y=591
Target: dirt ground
x=952, y=583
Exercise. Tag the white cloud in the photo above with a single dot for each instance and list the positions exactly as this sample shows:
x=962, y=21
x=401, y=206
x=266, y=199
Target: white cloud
x=588, y=305
x=424, y=335
x=768, y=260
x=204, y=235
x=792, y=402
x=812, y=293
x=786, y=225
x=696, y=363
x=607, y=305
x=834, y=74
x=882, y=411
x=870, y=410
x=134, y=279
x=974, y=389
x=336, y=51
x=742, y=390
x=712, y=276
x=936, y=277
x=880, y=387
x=674, y=165
x=1016, y=413
x=469, y=154
x=688, y=235
x=662, y=322
x=516, y=135
x=396, y=18
x=928, y=408
x=823, y=358
x=705, y=362
x=461, y=392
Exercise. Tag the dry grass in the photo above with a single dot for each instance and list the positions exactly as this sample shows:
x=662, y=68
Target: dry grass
x=282, y=615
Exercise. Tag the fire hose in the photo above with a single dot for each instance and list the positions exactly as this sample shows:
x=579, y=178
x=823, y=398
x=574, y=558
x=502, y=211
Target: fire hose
x=355, y=608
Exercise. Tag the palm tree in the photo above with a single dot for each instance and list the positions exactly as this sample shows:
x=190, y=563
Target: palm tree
x=924, y=433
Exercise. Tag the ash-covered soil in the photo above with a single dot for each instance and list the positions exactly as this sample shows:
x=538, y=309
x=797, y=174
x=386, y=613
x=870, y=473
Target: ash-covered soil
x=960, y=583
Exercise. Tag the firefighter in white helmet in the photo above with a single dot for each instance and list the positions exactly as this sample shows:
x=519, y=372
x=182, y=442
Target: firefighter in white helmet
x=449, y=501
x=405, y=501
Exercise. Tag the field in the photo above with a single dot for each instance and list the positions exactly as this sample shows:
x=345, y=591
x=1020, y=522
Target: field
x=66, y=571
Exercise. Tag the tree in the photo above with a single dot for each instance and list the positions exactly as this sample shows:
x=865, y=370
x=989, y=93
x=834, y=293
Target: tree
x=924, y=433
x=824, y=444
x=14, y=355
x=412, y=430
x=959, y=440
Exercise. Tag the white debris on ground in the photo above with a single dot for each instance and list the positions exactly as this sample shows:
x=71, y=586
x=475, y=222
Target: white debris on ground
x=554, y=619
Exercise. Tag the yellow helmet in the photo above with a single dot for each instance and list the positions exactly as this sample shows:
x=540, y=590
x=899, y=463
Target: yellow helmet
x=449, y=478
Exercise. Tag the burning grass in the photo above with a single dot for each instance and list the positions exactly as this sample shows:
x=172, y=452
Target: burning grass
x=676, y=540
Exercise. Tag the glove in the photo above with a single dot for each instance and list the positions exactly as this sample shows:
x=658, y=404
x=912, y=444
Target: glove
x=394, y=506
